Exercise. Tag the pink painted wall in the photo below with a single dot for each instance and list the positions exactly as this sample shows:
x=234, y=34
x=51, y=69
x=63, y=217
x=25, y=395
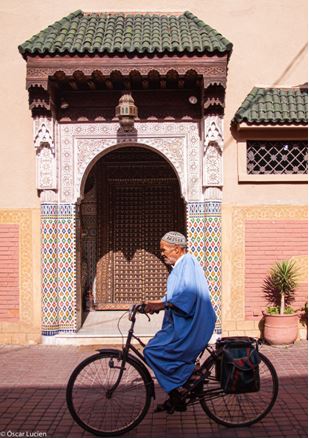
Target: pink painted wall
x=267, y=242
x=9, y=272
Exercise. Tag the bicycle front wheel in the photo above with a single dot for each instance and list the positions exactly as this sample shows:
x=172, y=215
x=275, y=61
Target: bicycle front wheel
x=90, y=403
x=243, y=409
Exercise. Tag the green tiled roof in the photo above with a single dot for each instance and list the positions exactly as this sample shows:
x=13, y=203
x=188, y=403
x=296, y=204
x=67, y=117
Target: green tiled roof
x=82, y=32
x=274, y=106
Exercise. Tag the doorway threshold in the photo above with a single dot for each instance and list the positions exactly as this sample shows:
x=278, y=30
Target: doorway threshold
x=106, y=327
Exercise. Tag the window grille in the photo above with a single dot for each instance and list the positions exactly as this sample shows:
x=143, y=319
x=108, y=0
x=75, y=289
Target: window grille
x=277, y=157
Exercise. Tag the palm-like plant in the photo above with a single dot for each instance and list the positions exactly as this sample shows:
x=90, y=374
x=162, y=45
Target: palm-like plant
x=279, y=286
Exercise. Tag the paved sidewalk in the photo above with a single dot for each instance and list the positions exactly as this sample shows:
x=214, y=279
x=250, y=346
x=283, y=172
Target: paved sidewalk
x=32, y=398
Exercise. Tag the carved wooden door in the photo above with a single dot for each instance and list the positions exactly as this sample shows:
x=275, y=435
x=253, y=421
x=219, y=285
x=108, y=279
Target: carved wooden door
x=135, y=210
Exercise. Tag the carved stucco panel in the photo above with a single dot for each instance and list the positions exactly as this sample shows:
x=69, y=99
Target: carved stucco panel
x=48, y=196
x=213, y=147
x=82, y=143
x=43, y=132
x=46, y=169
x=46, y=166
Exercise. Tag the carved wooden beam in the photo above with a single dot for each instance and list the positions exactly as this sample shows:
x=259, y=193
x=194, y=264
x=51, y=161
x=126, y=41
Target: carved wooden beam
x=172, y=79
x=120, y=73
x=154, y=79
x=212, y=69
x=136, y=79
x=98, y=78
x=39, y=101
x=117, y=79
x=81, y=79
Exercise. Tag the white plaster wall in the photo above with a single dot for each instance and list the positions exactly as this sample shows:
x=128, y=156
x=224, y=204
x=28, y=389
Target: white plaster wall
x=269, y=40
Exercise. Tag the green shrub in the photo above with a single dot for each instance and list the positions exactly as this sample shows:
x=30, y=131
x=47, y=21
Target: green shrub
x=279, y=286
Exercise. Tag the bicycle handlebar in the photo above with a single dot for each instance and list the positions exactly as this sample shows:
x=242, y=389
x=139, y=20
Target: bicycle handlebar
x=136, y=307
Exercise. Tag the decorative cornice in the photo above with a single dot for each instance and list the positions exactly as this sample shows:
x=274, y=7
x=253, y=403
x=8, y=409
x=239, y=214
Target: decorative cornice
x=39, y=100
x=213, y=70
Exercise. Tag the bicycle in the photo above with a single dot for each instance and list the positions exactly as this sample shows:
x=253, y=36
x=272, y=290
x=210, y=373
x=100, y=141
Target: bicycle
x=109, y=393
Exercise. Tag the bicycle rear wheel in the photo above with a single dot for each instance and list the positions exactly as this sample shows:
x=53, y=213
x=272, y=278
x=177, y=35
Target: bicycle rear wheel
x=240, y=410
x=93, y=408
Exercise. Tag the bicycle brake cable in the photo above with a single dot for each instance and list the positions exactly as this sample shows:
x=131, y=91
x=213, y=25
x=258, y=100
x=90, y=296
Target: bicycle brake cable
x=118, y=326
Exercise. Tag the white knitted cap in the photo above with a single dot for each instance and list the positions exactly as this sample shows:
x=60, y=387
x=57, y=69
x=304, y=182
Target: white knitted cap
x=175, y=238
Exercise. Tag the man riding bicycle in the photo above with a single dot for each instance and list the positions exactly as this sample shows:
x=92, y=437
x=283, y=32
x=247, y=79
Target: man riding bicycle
x=188, y=323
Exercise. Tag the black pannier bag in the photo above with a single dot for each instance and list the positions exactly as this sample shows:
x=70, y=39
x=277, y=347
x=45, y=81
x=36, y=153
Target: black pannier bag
x=237, y=368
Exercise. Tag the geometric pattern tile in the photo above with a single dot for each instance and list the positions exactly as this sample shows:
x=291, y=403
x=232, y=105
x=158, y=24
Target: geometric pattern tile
x=59, y=260
x=58, y=268
x=204, y=242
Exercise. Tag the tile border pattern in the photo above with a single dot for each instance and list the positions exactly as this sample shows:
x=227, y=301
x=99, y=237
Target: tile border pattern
x=58, y=234
x=239, y=217
x=204, y=232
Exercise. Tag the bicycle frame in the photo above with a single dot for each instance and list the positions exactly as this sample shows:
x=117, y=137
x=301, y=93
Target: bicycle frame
x=129, y=346
x=203, y=388
x=125, y=350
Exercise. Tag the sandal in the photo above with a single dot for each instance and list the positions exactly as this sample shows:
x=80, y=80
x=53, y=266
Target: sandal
x=167, y=406
x=173, y=403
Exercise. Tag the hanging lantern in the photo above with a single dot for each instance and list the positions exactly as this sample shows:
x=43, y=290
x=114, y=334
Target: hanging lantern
x=126, y=111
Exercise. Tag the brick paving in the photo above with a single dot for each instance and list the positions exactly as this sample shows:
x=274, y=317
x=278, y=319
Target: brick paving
x=32, y=398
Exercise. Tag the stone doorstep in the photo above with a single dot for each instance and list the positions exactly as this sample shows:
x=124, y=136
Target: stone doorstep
x=83, y=339
x=78, y=340
x=100, y=328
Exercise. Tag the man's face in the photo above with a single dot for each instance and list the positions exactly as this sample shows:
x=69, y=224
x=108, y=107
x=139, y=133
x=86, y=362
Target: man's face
x=169, y=252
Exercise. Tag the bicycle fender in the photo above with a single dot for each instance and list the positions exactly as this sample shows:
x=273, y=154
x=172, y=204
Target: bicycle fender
x=114, y=351
x=135, y=360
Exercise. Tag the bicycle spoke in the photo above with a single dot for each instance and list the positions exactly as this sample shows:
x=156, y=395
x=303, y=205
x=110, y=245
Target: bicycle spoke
x=243, y=408
x=99, y=411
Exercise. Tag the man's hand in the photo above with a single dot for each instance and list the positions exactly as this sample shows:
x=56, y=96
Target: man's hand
x=153, y=306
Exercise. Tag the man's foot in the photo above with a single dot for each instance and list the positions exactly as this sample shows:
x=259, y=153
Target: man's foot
x=194, y=383
x=166, y=406
x=170, y=408
x=173, y=403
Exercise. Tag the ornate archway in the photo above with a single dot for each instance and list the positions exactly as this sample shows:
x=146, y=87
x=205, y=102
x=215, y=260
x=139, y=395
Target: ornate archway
x=78, y=146
x=131, y=198
x=179, y=89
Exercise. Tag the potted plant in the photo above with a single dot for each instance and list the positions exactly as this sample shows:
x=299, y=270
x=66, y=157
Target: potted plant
x=280, y=320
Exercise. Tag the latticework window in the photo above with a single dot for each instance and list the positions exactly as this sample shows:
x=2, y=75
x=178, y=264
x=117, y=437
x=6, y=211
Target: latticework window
x=277, y=157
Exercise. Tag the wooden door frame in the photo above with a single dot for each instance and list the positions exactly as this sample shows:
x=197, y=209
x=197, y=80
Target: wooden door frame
x=106, y=182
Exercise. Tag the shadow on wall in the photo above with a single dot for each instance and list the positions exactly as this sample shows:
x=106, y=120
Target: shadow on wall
x=279, y=81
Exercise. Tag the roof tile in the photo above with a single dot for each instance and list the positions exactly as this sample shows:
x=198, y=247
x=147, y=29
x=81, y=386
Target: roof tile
x=125, y=32
x=274, y=106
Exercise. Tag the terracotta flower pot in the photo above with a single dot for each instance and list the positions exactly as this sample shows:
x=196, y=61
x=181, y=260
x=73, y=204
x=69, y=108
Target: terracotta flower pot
x=280, y=329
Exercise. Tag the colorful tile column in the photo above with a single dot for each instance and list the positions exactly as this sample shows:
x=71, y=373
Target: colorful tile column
x=49, y=267
x=204, y=242
x=58, y=268
x=67, y=267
